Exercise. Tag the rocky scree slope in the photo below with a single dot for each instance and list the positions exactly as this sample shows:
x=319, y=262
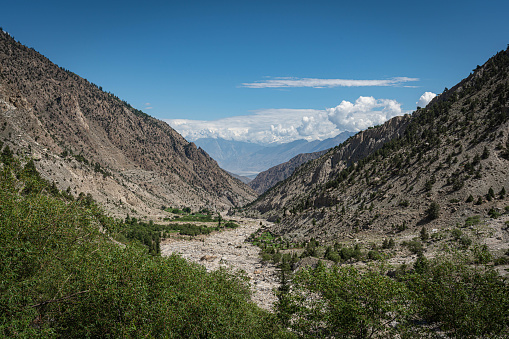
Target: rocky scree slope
x=440, y=165
x=90, y=141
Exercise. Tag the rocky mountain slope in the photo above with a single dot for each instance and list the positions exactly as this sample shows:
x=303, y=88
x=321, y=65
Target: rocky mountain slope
x=273, y=175
x=436, y=167
x=90, y=141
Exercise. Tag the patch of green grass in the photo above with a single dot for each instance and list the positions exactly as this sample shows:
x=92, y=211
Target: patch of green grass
x=472, y=221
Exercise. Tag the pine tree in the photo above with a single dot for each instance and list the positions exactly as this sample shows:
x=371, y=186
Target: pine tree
x=424, y=234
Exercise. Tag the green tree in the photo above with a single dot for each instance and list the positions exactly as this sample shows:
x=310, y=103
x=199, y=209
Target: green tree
x=491, y=194
x=284, y=306
x=433, y=211
x=502, y=193
x=60, y=276
x=424, y=234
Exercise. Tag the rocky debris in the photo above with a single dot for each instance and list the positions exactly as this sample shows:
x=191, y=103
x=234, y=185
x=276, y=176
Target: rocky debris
x=208, y=258
x=228, y=249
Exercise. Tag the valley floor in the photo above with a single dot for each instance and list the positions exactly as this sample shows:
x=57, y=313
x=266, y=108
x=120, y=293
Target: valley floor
x=228, y=249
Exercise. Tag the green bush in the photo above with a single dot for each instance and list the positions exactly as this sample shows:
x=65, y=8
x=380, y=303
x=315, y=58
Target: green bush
x=344, y=302
x=414, y=246
x=493, y=213
x=471, y=221
x=445, y=293
x=456, y=233
x=61, y=277
x=464, y=301
x=231, y=224
x=375, y=255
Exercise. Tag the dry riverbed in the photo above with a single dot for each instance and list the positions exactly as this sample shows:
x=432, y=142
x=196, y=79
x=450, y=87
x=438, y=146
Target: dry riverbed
x=229, y=249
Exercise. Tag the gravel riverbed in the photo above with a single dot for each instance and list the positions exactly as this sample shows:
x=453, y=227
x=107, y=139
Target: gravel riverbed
x=229, y=249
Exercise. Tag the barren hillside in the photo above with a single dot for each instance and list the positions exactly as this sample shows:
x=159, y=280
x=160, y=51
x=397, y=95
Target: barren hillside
x=451, y=157
x=90, y=141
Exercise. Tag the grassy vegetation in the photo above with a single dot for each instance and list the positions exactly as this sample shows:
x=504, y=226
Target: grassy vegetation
x=150, y=233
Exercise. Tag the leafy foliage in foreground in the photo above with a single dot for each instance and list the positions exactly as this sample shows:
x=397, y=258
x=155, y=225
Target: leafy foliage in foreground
x=350, y=303
x=446, y=294
x=60, y=276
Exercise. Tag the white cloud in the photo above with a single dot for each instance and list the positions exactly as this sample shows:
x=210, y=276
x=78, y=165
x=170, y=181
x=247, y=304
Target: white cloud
x=264, y=126
x=325, y=83
x=364, y=113
x=286, y=125
x=425, y=99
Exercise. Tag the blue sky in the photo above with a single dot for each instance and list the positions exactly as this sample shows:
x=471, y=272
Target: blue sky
x=209, y=63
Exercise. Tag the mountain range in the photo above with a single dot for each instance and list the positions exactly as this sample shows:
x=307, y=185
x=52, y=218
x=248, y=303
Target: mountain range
x=249, y=159
x=435, y=167
x=442, y=164
x=89, y=141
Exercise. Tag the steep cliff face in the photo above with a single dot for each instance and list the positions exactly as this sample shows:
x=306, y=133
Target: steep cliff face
x=273, y=175
x=313, y=174
x=454, y=153
x=78, y=131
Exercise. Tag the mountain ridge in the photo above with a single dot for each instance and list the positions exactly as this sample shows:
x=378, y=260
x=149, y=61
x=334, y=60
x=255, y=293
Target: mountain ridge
x=388, y=177
x=249, y=159
x=54, y=112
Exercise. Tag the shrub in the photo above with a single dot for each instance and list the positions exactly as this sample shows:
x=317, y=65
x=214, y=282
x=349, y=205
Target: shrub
x=231, y=224
x=464, y=301
x=61, y=277
x=456, y=233
x=465, y=241
x=404, y=203
x=501, y=261
x=387, y=244
x=494, y=213
x=414, y=246
x=471, y=221
x=374, y=255
x=344, y=302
